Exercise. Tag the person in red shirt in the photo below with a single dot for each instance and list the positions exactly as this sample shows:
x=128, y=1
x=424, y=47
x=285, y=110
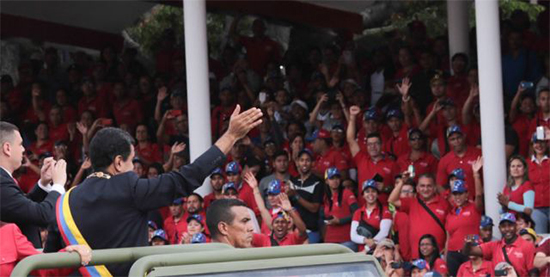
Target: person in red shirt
x=542, y=118
x=339, y=144
x=397, y=144
x=40, y=106
x=426, y=193
x=462, y=220
x=216, y=181
x=282, y=234
x=542, y=257
x=511, y=247
x=461, y=156
x=147, y=151
x=518, y=194
x=522, y=111
x=422, y=161
x=91, y=101
x=125, y=109
x=57, y=129
x=429, y=251
x=457, y=85
x=175, y=225
x=68, y=112
x=42, y=144
x=339, y=205
x=221, y=113
x=195, y=225
x=401, y=220
x=233, y=175
x=539, y=166
x=475, y=266
x=326, y=156
x=372, y=162
x=371, y=223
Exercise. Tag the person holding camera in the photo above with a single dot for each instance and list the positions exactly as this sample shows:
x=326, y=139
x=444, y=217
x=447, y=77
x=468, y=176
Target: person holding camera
x=389, y=260
x=475, y=266
x=371, y=223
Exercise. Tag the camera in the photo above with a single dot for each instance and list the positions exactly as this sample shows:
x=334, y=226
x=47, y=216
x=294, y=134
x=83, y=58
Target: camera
x=501, y=272
x=396, y=265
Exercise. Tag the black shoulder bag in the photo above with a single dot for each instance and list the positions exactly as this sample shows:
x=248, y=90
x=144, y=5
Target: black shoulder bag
x=432, y=214
x=366, y=230
x=508, y=259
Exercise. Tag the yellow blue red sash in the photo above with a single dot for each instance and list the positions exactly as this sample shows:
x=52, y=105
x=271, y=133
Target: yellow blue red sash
x=72, y=236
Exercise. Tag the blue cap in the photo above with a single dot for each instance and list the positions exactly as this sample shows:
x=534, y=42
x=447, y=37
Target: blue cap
x=216, y=171
x=394, y=113
x=177, y=201
x=420, y=264
x=152, y=224
x=228, y=186
x=370, y=114
x=232, y=168
x=486, y=222
x=454, y=129
x=370, y=184
x=507, y=217
x=331, y=172
x=196, y=217
x=159, y=233
x=198, y=238
x=274, y=187
x=477, y=240
x=458, y=173
x=459, y=186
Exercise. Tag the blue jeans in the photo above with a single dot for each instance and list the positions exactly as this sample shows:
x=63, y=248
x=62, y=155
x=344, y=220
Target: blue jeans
x=350, y=244
x=541, y=217
x=314, y=237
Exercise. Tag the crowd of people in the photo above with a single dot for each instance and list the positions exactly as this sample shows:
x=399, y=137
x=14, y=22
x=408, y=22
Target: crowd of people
x=377, y=151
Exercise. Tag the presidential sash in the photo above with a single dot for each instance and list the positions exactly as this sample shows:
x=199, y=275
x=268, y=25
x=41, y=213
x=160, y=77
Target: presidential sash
x=71, y=234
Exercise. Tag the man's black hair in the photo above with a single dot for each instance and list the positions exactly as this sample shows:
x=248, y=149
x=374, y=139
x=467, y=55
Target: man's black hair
x=460, y=55
x=107, y=144
x=197, y=195
x=280, y=153
x=220, y=211
x=375, y=135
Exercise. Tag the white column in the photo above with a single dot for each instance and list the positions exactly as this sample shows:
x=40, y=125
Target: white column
x=457, y=22
x=198, y=89
x=492, y=111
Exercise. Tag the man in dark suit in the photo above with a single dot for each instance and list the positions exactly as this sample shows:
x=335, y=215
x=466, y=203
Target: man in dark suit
x=110, y=207
x=36, y=208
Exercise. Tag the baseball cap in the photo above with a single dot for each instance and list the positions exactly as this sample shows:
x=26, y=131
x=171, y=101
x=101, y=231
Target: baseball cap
x=370, y=114
x=369, y=184
x=528, y=231
x=394, y=113
x=299, y=103
x=477, y=240
x=198, y=238
x=196, y=217
x=459, y=186
x=281, y=214
x=177, y=201
x=420, y=264
x=274, y=187
x=228, y=186
x=216, y=171
x=454, y=129
x=458, y=173
x=507, y=217
x=337, y=128
x=159, y=233
x=387, y=243
x=152, y=224
x=486, y=222
x=233, y=168
x=331, y=172
x=437, y=78
x=320, y=134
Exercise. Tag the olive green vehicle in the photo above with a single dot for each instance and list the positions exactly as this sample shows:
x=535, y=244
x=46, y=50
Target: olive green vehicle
x=215, y=259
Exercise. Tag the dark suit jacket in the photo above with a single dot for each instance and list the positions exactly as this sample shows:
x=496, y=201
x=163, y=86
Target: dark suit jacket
x=112, y=213
x=30, y=211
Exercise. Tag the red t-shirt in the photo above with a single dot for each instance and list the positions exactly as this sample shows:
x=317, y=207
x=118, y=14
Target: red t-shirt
x=461, y=223
x=373, y=219
x=208, y=199
x=544, y=247
x=97, y=106
x=260, y=52
x=219, y=116
x=540, y=179
x=43, y=148
x=517, y=195
x=151, y=152
x=339, y=233
x=367, y=168
x=426, y=163
x=458, y=88
x=175, y=230
x=398, y=145
x=467, y=269
x=31, y=116
x=292, y=238
x=521, y=126
x=401, y=226
x=521, y=254
x=451, y=162
x=128, y=113
x=439, y=206
x=69, y=114
x=330, y=159
x=346, y=153
x=58, y=133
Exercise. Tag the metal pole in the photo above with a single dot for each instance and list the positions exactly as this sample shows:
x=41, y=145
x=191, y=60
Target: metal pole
x=492, y=110
x=198, y=89
x=458, y=27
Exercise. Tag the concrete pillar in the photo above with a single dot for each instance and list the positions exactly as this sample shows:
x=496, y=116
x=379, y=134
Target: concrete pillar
x=457, y=22
x=198, y=89
x=491, y=100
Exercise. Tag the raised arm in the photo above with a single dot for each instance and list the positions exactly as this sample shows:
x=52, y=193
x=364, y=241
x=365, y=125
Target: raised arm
x=514, y=108
x=350, y=132
x=426, y=122
x=253, y=183
x=315, y=112
x=287, y=207
x=161, y=95
x=469, y=249
x=476, y=168
x=396, y=192
x=469, y=104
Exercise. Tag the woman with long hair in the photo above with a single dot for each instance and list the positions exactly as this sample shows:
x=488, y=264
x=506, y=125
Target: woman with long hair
x=429, y=251
x=518, y=194
x=539, y=166
x=372, y=222
x=339, y=205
